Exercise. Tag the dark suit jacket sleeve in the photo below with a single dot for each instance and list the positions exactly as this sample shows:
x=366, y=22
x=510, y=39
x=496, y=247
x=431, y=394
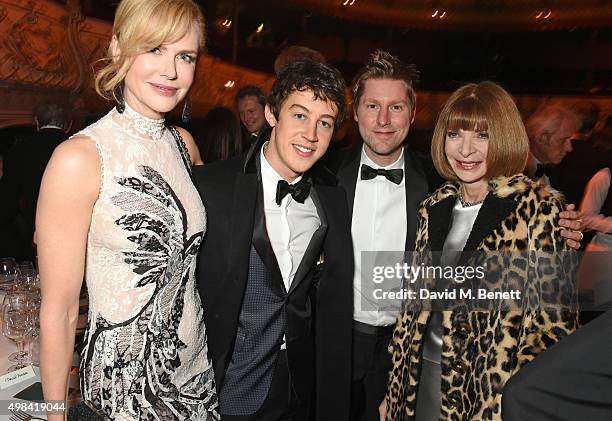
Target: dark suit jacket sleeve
x=214, y=185
x=570, y=381
x=334, y=316
x=434, y=180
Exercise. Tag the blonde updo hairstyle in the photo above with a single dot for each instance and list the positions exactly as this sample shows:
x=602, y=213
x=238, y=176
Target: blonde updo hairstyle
x=485, y=106
x=140, y=26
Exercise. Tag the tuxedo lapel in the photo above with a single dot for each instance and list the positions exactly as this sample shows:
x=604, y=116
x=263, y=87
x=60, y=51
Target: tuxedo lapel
x=416, y=190
x=261, y=240
x=313, y=250
x=242, y=217
x=347, y=176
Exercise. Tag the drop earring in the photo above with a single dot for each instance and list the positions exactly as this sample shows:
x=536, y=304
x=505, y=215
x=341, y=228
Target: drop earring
x=120, y=99
x=186, y=114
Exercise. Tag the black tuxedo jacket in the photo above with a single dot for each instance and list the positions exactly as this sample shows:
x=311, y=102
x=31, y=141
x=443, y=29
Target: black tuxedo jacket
x=419, y=172
x=320, y=300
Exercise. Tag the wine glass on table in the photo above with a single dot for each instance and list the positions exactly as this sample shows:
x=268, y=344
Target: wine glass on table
x=27, y=280
x=28, y=284
x=34, y=301
x=8, y=272
x=17, y=322
x=26, y=265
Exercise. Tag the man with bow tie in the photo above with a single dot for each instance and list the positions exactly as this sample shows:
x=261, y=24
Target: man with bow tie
x=550, y=131
x=385, y=183
x=275, y=267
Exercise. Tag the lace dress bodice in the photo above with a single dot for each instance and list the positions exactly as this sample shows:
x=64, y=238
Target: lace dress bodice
x=145, y=354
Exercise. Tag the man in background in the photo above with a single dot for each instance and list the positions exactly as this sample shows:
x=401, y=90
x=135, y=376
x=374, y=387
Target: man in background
x=251, y=103
x=572, y=175
x=24, y=165
x=550, y=131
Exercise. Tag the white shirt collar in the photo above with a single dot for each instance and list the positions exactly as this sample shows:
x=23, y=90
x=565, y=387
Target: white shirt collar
x=51, y=126
x=270, y=179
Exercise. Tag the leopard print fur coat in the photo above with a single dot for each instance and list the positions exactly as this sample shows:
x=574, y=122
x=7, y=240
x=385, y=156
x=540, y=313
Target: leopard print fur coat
x=482, y=349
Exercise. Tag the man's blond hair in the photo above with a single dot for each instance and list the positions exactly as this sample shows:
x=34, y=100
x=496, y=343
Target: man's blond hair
x=384, y=65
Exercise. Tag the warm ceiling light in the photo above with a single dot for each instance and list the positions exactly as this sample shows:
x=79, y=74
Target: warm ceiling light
x=260, y=28
x=539, y=15
x=442, y=15
x=230, y=84
x=348, y=2
x=546, y=16
x=435, y=14
x=224, y=24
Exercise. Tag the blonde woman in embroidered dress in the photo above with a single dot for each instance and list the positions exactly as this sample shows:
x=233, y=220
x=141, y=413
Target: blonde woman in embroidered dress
x=117, y=206
x=453, y=365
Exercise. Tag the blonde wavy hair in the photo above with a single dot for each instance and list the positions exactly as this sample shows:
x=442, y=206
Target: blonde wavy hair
x=141, y=25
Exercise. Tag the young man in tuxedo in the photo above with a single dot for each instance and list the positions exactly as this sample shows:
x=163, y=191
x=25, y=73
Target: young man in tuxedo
x=275, y=267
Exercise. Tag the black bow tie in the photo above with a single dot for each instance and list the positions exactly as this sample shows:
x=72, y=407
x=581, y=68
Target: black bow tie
x=299, y=191
x=394, y=176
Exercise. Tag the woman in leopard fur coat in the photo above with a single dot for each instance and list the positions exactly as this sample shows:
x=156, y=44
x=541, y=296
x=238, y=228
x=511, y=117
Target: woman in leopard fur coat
x=452, y=365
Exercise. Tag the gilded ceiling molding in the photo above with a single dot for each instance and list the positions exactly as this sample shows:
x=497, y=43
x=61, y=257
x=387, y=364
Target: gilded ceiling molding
x=32, y=46
x=468, y=15
x=48, y=52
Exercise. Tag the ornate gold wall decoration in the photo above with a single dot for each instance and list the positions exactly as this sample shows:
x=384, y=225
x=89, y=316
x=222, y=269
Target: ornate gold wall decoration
x=33, y=50
x=49, y=52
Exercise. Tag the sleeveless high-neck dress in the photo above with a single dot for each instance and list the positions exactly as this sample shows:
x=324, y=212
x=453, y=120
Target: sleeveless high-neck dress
x=145, y=354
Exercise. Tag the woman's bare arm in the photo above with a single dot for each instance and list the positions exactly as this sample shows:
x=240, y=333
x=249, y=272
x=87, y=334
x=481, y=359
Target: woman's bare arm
x=68, y=192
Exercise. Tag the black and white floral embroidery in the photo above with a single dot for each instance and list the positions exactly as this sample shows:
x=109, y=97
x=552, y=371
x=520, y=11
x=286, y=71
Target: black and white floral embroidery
x=134, y=362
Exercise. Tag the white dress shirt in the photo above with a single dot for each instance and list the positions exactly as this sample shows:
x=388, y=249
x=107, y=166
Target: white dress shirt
x=378, y=224
x=595, y=194
x=290, y=226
